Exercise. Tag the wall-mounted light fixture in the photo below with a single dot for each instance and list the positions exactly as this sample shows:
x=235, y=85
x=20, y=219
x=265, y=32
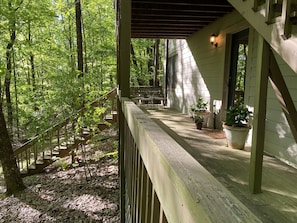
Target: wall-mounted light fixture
x=213, y=40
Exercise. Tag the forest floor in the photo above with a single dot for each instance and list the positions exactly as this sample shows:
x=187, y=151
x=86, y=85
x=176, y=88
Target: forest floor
x=87, y=191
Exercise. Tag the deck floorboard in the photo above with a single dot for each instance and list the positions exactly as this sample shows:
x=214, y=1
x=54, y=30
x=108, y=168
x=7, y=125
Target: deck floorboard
x=278, y=200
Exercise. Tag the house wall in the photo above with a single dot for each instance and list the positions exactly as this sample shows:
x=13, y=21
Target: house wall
x=202, y=71
x=279, y=133
x=201, y=68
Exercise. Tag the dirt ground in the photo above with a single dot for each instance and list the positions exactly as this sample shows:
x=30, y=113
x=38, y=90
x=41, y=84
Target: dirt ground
x=84, y=192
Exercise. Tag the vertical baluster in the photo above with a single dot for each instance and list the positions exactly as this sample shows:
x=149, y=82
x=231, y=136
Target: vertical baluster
x=133, y=182
x=27, y=161
x=66, y=133
x=258, y=3
x=22, y=161
x=155, y=215
x=138, y=187
x=148, y=202
x=286, y=11
x=58, y=137
x=35, y=151
x=43, y=145
x=141, y=192
x=50, y=143
x=163, y=218
x=269, y=11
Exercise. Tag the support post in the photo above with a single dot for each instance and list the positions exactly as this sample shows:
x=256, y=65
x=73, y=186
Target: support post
x=262, y=71
x=283, y=95
x=123, y=9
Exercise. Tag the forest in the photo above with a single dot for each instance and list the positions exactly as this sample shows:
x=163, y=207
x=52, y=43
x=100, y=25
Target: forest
x=55, y=57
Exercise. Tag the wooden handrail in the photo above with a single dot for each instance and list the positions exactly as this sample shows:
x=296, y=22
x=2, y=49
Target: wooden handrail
x=27, y=154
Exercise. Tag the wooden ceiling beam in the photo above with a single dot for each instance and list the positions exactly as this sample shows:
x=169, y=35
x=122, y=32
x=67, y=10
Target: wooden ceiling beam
x=177, y=18
x=223, y=3
x=182, y=8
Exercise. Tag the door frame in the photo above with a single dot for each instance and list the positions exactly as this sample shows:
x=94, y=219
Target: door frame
x=236, y=39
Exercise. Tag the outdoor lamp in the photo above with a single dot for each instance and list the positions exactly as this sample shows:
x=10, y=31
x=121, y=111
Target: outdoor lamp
x=213, y=41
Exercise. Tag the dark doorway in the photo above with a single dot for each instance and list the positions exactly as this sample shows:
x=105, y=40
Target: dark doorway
x=238, y=67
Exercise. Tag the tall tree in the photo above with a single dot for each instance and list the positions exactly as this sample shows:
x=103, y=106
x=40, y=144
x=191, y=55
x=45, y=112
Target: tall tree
x=9, y=49
x=78, y=19
x=156, y=62
x=12, y=176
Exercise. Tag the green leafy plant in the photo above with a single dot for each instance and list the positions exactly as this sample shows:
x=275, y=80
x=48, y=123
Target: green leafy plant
x=199, y=119
x=237, y=116
x=200, y=106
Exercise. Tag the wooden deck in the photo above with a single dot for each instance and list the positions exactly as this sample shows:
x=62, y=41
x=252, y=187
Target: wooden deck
x=278, y=201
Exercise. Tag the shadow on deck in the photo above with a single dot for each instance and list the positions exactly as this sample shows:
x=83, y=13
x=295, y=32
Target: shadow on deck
x=277, y=202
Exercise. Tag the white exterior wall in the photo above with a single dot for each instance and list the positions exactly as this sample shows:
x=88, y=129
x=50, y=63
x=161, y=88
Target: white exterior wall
x=279, y=133
x=188, y=79
x=201, y=69
x=201, y=66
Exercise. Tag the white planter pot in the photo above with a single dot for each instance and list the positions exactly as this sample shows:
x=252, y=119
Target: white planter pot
x=236, y=136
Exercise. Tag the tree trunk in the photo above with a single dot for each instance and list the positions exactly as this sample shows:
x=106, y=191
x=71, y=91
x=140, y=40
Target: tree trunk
x=16, y=97
x=134, y=61
x=33, y=76
x=80, y=66
x=8, y=78
x=150, y=64
x=156, y=62
x=12, y=176
x=70, y=41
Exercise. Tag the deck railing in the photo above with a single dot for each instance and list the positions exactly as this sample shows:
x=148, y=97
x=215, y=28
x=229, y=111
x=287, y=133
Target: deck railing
x=60, y=139
x=163, y=183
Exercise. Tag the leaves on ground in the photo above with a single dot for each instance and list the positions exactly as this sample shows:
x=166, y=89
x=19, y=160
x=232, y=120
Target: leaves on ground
x=86, y=192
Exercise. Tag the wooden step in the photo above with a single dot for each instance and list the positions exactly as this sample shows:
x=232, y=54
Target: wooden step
x=102, y=126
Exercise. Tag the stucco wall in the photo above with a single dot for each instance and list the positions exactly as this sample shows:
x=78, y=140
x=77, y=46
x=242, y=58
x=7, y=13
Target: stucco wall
x=201, y=70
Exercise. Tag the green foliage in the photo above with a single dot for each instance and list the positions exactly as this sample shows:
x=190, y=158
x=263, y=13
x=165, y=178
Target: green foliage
x=199, y=118
x=237, y=115
x=49, y=90
x=142, y=61
x=61, y=163
x=201, y=105
x=241, y=73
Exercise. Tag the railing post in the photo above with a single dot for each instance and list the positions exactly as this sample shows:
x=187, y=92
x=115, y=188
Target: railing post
x=123, y=9
x=286, y=11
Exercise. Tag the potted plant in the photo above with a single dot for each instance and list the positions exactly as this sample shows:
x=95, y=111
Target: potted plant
x=199, y=121
x=199, y=111
x=236, y=126
x=193, y=108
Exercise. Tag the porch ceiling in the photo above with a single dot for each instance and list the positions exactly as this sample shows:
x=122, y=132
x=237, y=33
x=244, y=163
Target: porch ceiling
x=174, y=19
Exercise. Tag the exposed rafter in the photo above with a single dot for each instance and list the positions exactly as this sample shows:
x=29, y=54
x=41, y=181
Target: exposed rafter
x=174, y=19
